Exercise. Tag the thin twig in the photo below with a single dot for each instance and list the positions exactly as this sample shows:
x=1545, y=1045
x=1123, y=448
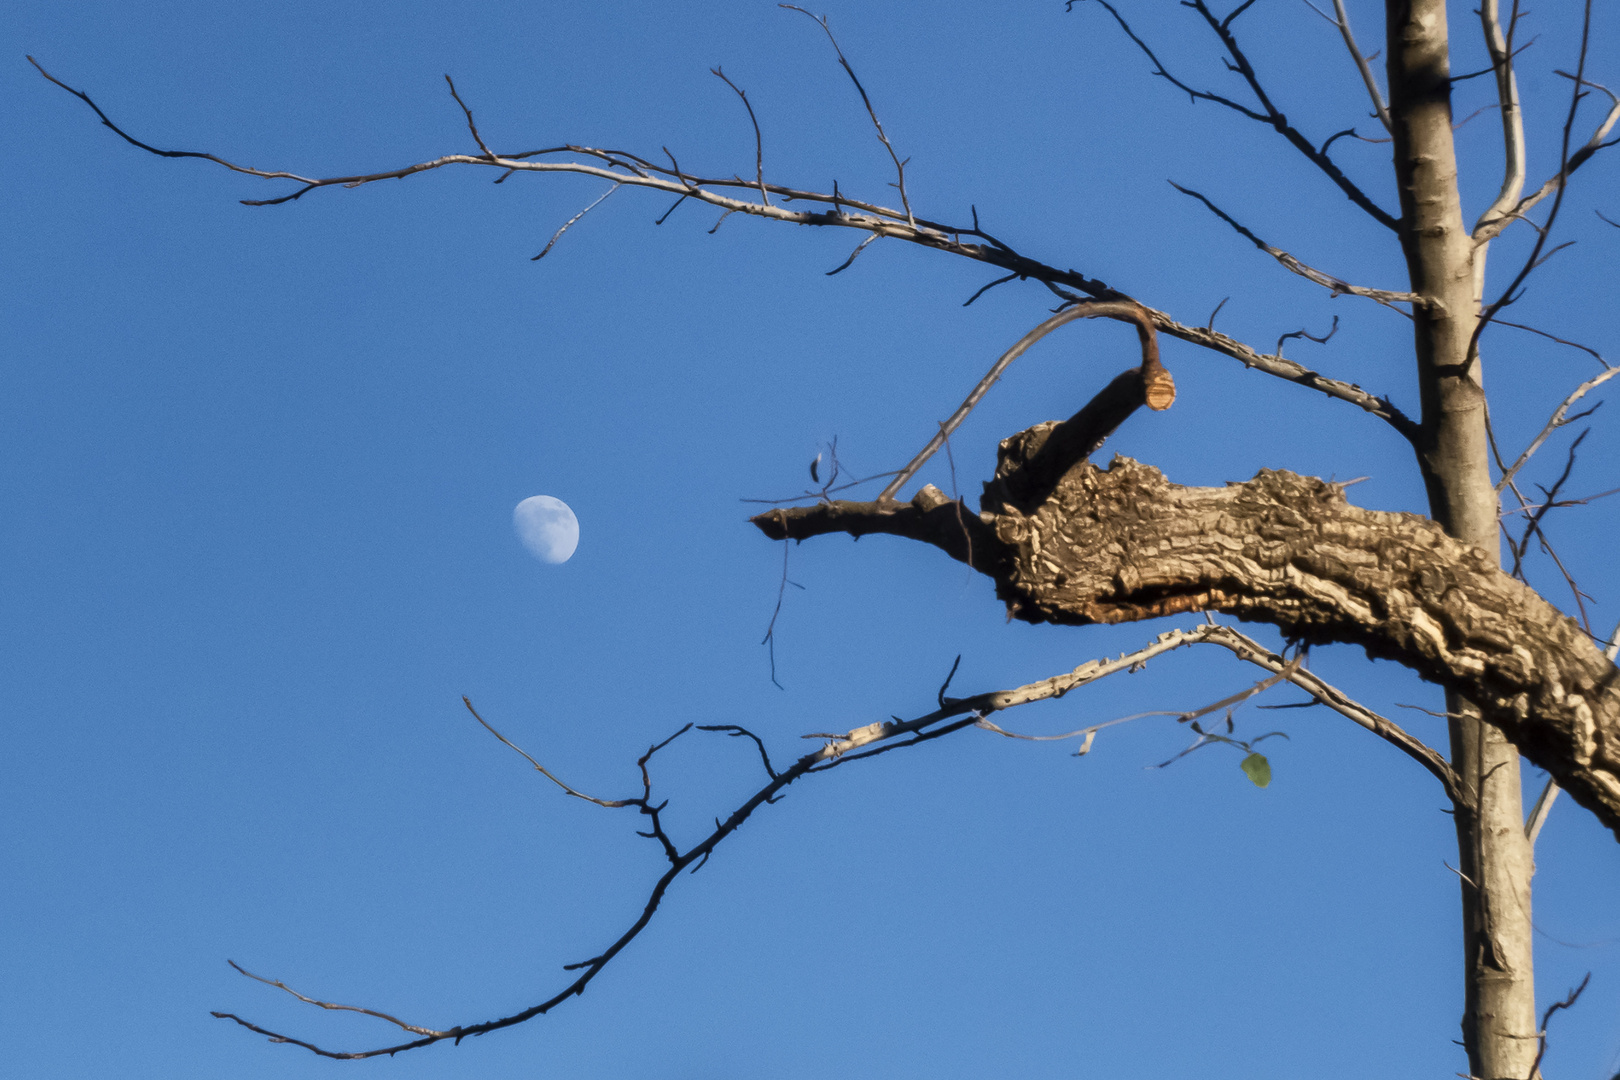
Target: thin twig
x=759, y=140
x=569, y=223
x=1510, y=294
x=1558, y=419
x=1386, y=297
x=472, y=127
x=611, y=804
x=1379, y=108
x=1267, y=114
x=770, y=630
x=332, y=1006
x=899, y=166
x=1541, y=1034
x=1554, y=337
x=1247, y=648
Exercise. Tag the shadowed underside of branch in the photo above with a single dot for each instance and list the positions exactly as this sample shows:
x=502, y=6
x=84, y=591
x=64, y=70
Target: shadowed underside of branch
x=1123, y=543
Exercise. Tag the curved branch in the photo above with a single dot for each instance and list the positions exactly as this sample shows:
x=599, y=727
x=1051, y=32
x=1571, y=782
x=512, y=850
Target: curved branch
x=1159, y=389
x=1124, y=544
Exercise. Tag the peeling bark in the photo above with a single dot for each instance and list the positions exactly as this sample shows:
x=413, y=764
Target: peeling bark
x=1123, y=543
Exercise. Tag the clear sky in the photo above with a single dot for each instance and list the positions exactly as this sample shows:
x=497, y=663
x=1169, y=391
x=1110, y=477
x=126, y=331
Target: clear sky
x=257, y=472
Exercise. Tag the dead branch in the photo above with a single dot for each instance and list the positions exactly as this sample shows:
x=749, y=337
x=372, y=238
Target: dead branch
x=1337, y=287
x=1535, y=258
x=1124, y=544
x=1541, y=1035
x=856, y=745
x=1159, y=390
x=622, y=168
x=899, y=166
x=759, y=140
x=1246, y=648
x=1559, y=418
x=1267, y=114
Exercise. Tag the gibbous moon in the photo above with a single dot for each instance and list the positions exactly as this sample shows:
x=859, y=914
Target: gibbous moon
x=547, y=527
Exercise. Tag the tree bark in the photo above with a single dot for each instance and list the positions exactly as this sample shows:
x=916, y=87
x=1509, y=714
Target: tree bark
x=1121, y=544
x=1499, y=1019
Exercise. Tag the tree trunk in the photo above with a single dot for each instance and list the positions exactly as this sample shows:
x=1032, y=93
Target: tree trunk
x=1499, y=1021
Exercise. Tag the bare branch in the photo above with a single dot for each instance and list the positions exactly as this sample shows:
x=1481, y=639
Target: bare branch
x=1290, y=370
x=1247, y=648
x=1384, y=296
x=1558, y=419
x=278, y=984
x=471, y=126
x=1539, y=812
x=1541, y=1035
x=611, y=804
x=1507, y=94
x=856, y=745
x=759, y=140
x=847, y=263
x=569, y=223
x=1488, y=230
x=1554, y=337
x=899, y=166
x=628, y=169
x=1566, y=163
x=1342, y=21
x=1320, y=339
x=1153, y=374
x=1267, y=114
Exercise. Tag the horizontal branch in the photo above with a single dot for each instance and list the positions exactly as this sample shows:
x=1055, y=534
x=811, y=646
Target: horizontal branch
x=969, y=242
x=1124, y=544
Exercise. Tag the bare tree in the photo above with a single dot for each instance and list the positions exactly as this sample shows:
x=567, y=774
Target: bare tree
x=1067, y=542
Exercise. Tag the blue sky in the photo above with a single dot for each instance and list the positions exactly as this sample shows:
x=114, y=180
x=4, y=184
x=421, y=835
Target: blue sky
x=258, y=468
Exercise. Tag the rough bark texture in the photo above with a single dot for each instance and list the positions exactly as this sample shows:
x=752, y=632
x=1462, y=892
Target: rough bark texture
x=1122, y=544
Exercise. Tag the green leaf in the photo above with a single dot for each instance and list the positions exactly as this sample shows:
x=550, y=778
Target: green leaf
x=1257, y=768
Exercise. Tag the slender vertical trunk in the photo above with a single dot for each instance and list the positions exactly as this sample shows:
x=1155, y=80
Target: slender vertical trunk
x=1499, y=1020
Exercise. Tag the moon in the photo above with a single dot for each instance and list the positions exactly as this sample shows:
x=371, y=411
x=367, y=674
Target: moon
x=547, y=527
